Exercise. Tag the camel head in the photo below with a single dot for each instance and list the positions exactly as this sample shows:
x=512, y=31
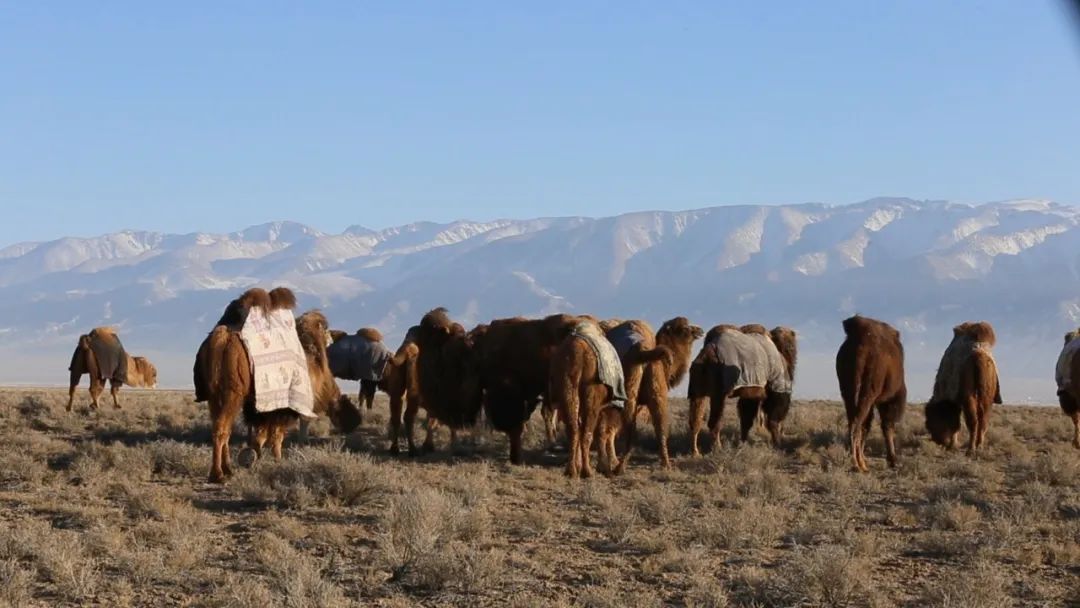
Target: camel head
x=943, y=422
x=146, y=372
x=784, y=339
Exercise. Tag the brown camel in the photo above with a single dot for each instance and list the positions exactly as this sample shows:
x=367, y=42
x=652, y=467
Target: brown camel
x=100, y=354
x=750, y=363
x=447, y=372
x=870, y=369
x=967, y=382
x=1068, y=382
x=652, y=364
x=513, y=358
x=228, y=384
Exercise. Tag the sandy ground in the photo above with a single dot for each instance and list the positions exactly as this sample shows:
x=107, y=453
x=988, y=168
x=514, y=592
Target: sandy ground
x=112, y=509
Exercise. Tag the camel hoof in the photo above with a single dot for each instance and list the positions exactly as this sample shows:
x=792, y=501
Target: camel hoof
x=394, y=450
x=427, y=448
x=216, y=477
x=247, y=458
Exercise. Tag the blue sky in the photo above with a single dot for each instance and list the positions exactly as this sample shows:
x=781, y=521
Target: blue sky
x=214, y=116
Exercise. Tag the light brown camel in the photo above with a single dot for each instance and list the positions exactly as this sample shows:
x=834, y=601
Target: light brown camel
x=653, y=365
x=966, y=382
x=117, y=367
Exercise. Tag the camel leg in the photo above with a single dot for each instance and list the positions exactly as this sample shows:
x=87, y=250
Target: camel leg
x=890, y=413
x=96, y=388
x=277, y=437
x=302, y=434
x=114, y=390
x=971, y=421
x=410, y=419
x=74, y=383
x=748, y=413
x=220, y=467
x=697, y=420
x=551, y=424
x=570, y=413
x=856, y=433
x=395, y=423
x=1076, y=429
x=984, y=424
x=430, y=426
x=716, y=412
x=515, y=444
x=658, y=413
x=591, y=417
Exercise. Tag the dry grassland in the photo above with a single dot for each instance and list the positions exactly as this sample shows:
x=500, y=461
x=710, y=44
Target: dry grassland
x=112, y=509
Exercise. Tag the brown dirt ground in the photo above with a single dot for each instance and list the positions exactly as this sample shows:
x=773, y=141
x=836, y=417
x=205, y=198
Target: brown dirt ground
x=112, y=509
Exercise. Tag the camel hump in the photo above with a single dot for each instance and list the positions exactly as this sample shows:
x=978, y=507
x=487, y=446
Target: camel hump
x=976, y=331
x=282, y=298
x=256, y=296
x=370, y=334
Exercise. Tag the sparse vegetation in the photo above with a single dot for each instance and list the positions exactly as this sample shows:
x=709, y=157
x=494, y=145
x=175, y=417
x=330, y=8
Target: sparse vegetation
x=113, y=509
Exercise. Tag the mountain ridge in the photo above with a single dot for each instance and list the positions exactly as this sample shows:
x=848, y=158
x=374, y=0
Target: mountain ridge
x=922, y=265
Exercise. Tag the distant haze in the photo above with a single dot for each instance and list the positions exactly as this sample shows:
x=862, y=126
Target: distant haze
x=922, y=265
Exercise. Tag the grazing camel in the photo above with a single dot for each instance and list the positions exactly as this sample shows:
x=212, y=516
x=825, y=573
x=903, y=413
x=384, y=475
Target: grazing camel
x=966, y=382
x=100, y=354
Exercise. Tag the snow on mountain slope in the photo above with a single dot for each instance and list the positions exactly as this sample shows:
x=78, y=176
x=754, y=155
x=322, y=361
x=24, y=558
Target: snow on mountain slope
x=924, y=265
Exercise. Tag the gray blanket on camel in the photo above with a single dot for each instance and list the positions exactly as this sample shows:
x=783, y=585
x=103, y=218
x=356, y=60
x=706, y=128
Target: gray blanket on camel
x=357, y=358
x=109, y=353
x=751, y=360
x=609, y=368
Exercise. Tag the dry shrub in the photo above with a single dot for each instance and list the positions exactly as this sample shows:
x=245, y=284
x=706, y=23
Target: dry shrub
x=241, y=592
x=614, y=597
x=750, y=525
x=58, y=555
x=296, y=577
x=168, y=457
x=15, y=583
x=316, y=476
x=829, y=575
x=768, y=486
x=948, y=515
x=978, y=586
x=659, y=506
x=288, y=528
x=424, y=541
x=706, y=591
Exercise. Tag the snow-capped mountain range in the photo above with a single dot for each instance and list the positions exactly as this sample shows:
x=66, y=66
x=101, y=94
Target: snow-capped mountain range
x=922, y=265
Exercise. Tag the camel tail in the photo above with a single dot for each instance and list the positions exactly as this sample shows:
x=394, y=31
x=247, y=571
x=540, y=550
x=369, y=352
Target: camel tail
x=403, y=354
x=81, y=349
x=219, y=340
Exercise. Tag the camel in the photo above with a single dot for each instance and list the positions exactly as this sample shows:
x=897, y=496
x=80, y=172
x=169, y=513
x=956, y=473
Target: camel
x=967, y=381
x=224, y=374
x=402, y=383
x=361, y=357
x=447, y=377
x=750, y=363
x=586, y=388
x=100, y=354
x=870, y=369
x=513, y=358
x=652, y=364
x=1068, y=382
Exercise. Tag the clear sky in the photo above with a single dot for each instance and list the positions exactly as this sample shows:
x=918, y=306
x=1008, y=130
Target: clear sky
x=191, y=116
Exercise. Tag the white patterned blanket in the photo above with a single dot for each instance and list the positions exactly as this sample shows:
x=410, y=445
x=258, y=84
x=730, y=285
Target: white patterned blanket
x=278, y=362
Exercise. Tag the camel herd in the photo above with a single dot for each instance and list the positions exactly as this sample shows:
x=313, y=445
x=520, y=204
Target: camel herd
x=593, y=377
